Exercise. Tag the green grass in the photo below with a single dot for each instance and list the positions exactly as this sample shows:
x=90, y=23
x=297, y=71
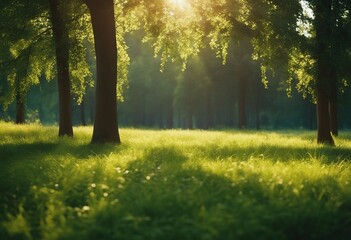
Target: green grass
x=173, y=184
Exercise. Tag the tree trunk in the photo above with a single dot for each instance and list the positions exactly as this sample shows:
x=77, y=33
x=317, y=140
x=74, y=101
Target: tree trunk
x=20, y=109
x=103, y=22
x=323, y=123
x=82, y=113
x=333, y=103
x=323, y=30
x=62, y=52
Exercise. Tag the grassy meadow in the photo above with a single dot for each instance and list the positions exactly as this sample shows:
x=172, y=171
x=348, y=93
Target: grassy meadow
x=173, y=184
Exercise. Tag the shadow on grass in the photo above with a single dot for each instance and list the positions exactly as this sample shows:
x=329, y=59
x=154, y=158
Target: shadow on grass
x=161, y=196
x=26, y=165
x=13, y=152
x=164, y=198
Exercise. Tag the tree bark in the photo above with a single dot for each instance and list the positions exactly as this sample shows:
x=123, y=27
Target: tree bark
x=323, y=123
x=333, y=114
x=323, y=30
x=62, y=53
x=20, y=109
x=103, y=22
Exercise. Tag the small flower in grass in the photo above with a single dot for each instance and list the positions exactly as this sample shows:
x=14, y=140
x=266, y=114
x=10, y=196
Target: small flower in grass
x=148, y=177
x=56, y=185
x=105, y=194
x=93, y=185
x=85, y=208
x=118, y=169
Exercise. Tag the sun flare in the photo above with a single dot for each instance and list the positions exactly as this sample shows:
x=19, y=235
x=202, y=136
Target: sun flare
x=182, y=4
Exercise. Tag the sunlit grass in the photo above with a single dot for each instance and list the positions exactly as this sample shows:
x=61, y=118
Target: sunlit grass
x=173, y=184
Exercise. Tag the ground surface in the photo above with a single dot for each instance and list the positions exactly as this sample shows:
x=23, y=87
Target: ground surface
x=173, y=184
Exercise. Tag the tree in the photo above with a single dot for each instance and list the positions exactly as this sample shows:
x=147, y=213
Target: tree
x=321, y=60
x=103, y=23
x=323, y=67
x=20, y=50
x=61, y=40
x=31, y=55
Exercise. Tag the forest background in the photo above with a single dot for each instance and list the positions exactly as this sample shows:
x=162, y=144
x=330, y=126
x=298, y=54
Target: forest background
x=206, y=92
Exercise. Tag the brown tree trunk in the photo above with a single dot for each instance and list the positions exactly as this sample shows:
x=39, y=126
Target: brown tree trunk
x=323, y=30
x=333, y=114
x=323, y=123
x=62, y=52
x=20, y=109
x=103, y=22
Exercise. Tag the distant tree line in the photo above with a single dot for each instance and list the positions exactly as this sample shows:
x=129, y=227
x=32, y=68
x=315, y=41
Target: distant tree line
x=204, y=96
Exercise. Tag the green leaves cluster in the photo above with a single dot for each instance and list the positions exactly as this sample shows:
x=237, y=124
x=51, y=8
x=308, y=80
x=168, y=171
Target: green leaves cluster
x=174, y=33
x=282, y=35
x=26, y=47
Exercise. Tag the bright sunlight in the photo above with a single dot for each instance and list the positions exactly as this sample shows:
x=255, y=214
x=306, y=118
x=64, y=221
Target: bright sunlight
x=181, y=4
